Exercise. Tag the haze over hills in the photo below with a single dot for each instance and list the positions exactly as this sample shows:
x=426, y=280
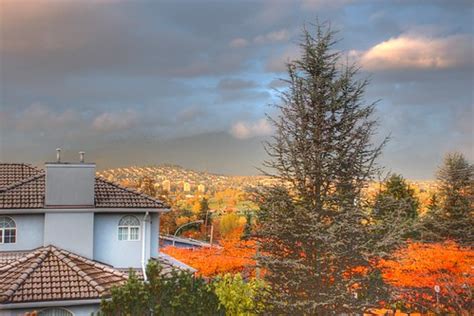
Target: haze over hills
x=174, y=178
x=177, y=179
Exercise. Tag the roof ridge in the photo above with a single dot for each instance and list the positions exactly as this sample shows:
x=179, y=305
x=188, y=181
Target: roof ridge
x=21, y=182
x=67, y=256
x=40, y=254
x=100, y=178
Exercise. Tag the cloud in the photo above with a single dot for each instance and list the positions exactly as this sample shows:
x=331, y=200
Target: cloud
x=238, y=43
x=318, y=4
x=190, y=114
x=39, y=117
x=235, y=84
x=244, y=129
x=418, y=52
x=277, y=63
x=115, y=121
x=273, y=37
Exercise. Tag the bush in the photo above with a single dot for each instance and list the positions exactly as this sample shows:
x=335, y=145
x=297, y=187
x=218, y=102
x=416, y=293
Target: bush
x=178, y=293
x=239, y=297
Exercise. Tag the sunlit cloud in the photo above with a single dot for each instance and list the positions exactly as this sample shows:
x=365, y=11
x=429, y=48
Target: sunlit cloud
x=115, y=121
x=418, y=52
x=244, y=129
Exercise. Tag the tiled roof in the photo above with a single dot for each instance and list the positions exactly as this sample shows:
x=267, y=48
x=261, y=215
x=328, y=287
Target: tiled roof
x=11, y=173
x=24, y=187
x=50, y=274
x=27, y=193
x=109, y=194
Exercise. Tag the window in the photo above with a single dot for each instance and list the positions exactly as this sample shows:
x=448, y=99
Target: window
x=55, y=312
x=129, y=228
x=7, y=230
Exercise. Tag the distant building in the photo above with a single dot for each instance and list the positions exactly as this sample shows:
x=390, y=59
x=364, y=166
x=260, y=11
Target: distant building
x=186, y=187
x=166, y=185
x=201, y=188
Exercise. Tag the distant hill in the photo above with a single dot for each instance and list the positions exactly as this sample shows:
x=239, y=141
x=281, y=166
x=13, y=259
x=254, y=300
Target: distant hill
x=179, y=178
x=174, y=178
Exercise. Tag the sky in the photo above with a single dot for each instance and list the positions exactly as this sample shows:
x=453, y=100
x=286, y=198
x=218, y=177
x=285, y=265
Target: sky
x=189, y=82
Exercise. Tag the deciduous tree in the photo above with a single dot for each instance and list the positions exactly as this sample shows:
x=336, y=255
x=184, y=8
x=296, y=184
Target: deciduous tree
x=240, y=297
x=414, y=271
x=233, y=256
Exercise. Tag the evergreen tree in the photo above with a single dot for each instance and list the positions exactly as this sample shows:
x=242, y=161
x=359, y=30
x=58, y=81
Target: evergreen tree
x=316, y=239
x=396, y=205
x=204, y=211
x=396, y=194
x=247, y=233
x=433, y=204
x=454, y=218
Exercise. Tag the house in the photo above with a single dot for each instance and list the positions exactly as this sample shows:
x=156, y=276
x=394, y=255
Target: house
x=67, y=237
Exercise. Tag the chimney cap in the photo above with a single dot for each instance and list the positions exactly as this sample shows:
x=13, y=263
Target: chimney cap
x=58, y=154
x=81, y=156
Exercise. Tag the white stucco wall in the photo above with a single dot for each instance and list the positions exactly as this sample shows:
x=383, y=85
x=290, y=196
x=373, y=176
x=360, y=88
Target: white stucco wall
x=79, y=310
x=155, y=235
x=120, y=253
x=72, y=231
x=29, y=232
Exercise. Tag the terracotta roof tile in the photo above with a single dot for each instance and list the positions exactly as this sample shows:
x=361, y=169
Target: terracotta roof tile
x=50, y=273
x=24, y=187
x=11, y=173
x=109, y=194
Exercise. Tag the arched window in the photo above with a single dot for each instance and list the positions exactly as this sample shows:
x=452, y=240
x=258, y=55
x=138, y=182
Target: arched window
x=7, y=230
x=129, y=228
x=55, y=312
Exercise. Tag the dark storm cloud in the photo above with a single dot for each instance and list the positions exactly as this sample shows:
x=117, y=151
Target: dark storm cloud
x=189, y=81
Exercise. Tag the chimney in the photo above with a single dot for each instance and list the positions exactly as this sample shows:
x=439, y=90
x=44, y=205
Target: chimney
x=69, y=184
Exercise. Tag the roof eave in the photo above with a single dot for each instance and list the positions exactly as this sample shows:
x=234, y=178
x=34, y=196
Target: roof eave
x=79, y=210
x=63, y=303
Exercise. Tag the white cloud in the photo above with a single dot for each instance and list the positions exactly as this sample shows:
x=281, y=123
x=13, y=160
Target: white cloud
x=244, y=129
x=273, y=37
x=238, y=43
x=114, y=121
x=418, y=52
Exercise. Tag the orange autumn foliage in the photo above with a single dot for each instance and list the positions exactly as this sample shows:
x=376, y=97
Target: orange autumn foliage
x=234, y=255
x=415, y=270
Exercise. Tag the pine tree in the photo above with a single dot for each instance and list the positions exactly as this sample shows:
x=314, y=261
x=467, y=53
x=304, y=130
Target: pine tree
x=204, y=211
x=398, y=193
x=396, y=205
x=454, y=218
x=316, y=240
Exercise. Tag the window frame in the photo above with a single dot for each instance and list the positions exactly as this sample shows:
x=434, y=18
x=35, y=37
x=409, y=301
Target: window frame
x=4, y=229
x=53, y=309
x=128, y=229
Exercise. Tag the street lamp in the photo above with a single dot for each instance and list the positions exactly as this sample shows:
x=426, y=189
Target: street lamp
x=176, y=232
